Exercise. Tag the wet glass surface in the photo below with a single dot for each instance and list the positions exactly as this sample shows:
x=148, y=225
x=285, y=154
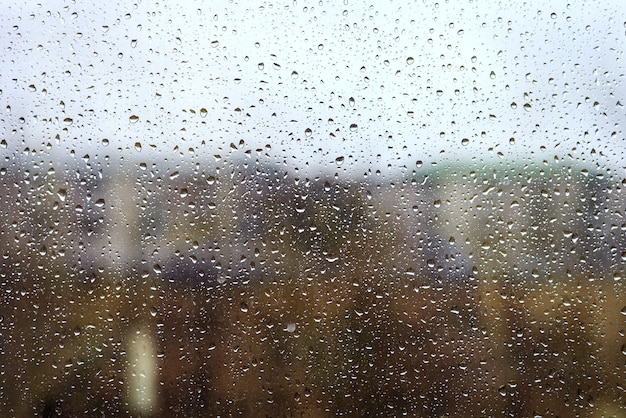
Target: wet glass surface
x=336, y=208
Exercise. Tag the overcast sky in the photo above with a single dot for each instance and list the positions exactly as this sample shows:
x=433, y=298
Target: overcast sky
x=339, y=84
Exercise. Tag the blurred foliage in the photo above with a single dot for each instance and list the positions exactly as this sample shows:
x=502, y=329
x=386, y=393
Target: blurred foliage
x=457, y=291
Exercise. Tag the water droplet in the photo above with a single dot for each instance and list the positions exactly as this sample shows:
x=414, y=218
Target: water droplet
x=308, y=132
x=339, y=160
x=351, y=101
x=261, y=66
x=138, y=146
x=156, y=268
x=410, y=60
x=215, y=43
x=492, y=75
x=294, y=75
x=105, y=142
x=133, y=118
x=291, y=327
x=100, y=203
x=354, y=127
x=465, y=141
x=174, y=175
x=133, y=43
x=527, y=106
x=68, y=121
x=62, y=193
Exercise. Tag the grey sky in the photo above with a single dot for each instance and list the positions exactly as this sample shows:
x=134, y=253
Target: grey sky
x=431, y=81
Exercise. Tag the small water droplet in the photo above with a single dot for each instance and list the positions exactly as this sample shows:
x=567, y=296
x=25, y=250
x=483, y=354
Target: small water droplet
x=308, y=132
x=354, y=127
x=62, y=193
x=291, y=327
x=351, y=101
x=203, y=112
x=410, y=60
x=465, y=141
x=261, y=66
x=68, y=121
x=100, y=203
x=133, y=43
x=138, y=146
x=339, y=160
x=133, y=118
x=174, y=175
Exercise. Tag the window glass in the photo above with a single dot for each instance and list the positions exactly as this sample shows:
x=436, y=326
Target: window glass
x=312, y=209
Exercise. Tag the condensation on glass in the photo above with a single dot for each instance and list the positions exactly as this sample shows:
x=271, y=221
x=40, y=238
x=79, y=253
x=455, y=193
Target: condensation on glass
x=313, y=209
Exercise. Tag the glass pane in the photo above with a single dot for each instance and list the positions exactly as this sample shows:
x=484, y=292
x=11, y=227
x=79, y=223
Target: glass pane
x=313, y=209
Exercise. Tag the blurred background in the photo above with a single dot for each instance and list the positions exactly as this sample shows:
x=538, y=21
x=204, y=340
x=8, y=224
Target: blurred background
x=312, y=210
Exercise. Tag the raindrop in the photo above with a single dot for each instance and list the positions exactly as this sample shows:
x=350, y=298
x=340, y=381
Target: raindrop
x=354, y=127
x=410, y=60
x=138, y=146
x=351, y=101
x=308, y=132
x=133, y=118
x=68, y=121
